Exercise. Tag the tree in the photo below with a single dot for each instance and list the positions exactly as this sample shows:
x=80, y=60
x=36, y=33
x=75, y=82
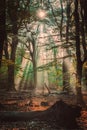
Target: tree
x=2, y=27
x=79, y=59
x=15, y=16
x=12, y=9
x=83, y=35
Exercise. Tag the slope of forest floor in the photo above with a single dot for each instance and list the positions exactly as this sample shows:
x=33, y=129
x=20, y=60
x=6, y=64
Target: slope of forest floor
x=24, y=101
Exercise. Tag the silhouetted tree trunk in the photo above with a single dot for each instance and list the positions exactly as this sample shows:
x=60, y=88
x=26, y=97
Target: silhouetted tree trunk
x=34, y=62
x=83, y=6
x=11, y=67
x=2, y=27
x=86, y=77
x=12, y=11
x=35, y=72
x=79, y=63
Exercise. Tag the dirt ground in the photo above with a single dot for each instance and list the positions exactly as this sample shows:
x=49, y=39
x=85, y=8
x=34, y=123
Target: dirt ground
x=24, y=101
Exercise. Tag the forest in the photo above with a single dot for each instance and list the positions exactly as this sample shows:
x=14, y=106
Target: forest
x=43, y=65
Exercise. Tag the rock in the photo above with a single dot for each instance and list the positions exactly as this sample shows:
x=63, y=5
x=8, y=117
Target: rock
x=44, y=104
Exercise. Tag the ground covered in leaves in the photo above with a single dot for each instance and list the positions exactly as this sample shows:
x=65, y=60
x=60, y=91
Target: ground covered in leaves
x=24, y=101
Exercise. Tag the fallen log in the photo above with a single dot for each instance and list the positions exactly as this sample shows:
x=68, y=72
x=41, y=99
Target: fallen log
x=63, y=114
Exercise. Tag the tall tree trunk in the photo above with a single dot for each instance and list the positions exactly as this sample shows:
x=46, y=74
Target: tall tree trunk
x=34, y=65
x=85, y=75
x=78, y=55
x=2, y=27
x=86, y=78
x=11, y=66
x=83, y=36
x=66, y=75
x=84, y=10
x=55, y=64
x=12, y=11
x=66, y=62
x=78, y=83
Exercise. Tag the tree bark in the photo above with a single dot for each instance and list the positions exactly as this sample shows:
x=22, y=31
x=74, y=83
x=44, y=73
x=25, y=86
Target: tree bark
x=66, y=62
x=12, y=9
x=79, y=63
x=2, y=27
x=34, y=61
x=11, y=66
x=66, y=73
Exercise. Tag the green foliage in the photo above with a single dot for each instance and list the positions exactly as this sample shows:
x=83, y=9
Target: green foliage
x=3, y=70
x=55, y=77
x=57, y=21
x=3, y=75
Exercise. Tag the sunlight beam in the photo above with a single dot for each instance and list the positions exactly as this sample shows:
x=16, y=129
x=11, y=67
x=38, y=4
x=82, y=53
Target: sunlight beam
x=41, y=14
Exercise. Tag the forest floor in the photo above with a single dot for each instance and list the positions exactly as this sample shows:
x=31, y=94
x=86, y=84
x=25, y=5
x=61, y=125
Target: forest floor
x=24, y=101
